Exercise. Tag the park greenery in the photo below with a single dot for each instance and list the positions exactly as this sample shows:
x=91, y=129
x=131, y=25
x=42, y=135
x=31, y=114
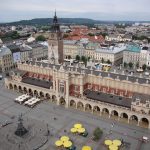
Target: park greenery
x=141, y=38
x=131, y=65
x=10, y=36
x=40, y=38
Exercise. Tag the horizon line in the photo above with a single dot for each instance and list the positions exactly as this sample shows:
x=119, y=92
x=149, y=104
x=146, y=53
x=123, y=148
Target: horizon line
x=77, y=18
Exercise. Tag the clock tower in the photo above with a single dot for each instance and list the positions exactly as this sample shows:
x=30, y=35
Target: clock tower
x=55, y=43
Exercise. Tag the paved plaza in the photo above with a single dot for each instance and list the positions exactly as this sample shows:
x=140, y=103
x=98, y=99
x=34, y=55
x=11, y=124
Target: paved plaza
x=42, y=116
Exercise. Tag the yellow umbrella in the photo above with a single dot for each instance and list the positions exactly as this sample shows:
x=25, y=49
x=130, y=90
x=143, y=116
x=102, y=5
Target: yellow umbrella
x=64, y=138
x=67, y=144
x=117, y=142
x=58, y=143
x=86, y=148
x=81, y=130
x=108, y=142
x=73, y=130
x=78, y=125
x=113, y=147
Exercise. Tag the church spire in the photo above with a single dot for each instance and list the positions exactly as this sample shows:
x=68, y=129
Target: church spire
x=55, y=12
x=55, y=25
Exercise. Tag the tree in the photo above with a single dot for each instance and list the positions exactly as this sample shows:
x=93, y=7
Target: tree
x=40, y=38
x=97, y=134
x=144, y=67
x=137, y=65
x=69, y=57
x=88, y=58
x=130, y=65
x=125, y=65
x=102, y=60
x=65, y=36
x=90, y=34
x=78, y=57
x=108, y=61
x=84, y=59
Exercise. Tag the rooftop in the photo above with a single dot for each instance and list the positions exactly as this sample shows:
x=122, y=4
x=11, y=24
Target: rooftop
x=111, y=75
x=37, y=82
x=111, y=49
x=108, y=98
x=4, y=51
x=133, y=48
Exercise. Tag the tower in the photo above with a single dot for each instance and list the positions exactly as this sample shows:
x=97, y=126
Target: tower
x=55, y=43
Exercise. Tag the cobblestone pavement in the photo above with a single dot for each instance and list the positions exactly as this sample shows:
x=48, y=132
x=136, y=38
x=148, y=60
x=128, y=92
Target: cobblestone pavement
x=44, y=114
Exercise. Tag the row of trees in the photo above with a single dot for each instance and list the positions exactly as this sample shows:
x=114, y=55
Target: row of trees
x=134, y=37
x=131, y=65
x=10, y=36
x=85, y=59
x=108, y=61
x=82, y=58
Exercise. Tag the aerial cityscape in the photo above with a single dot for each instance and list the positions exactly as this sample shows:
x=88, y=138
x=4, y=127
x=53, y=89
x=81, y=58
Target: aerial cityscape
x=75, y=75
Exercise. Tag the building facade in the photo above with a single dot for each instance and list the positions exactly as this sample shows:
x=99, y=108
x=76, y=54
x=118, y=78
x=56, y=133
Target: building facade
x=106, y=94
x=6, y=60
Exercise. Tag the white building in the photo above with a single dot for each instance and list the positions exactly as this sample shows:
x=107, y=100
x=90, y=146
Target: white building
x=112, y=53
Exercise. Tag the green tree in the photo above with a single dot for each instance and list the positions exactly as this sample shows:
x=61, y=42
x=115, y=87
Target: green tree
x=130, y=65
x=97, y=134
x=102, y=60
x=69, y=57
x=90, y=34
x=84, y=59
x=144, y=67
x=108, y=61
x=125, y=65
x=40, y=38
x=78, y=57
x=65, y=35
x=137, y=65
x=88, y=58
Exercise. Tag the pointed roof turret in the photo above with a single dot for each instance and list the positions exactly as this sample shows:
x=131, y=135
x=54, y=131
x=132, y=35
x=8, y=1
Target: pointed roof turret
x=55, y=26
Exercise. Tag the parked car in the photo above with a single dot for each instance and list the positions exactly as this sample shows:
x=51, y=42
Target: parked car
x=1, y=77
x=146, y=73
x=145, y=139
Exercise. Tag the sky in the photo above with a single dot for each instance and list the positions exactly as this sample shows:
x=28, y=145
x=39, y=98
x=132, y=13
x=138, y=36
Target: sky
x=126, y=10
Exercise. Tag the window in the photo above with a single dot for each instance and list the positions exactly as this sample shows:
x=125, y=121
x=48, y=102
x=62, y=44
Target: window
x=61, y=87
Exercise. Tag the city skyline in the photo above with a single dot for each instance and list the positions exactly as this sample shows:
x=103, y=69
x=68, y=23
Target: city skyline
x=16, y=10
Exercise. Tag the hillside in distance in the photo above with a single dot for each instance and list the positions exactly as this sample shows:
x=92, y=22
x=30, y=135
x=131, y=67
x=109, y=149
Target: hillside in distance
x=46, y=21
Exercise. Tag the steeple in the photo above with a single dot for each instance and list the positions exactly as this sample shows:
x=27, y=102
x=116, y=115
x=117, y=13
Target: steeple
x=55, y=26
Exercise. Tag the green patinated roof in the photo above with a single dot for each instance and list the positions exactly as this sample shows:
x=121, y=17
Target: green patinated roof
x=134, y=48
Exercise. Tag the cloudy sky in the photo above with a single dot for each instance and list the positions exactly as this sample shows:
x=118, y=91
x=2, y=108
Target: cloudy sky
x=12, y=10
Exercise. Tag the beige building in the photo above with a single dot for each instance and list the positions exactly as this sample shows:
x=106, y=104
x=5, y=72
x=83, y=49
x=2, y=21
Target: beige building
x=38, y=51
x=113, y=53
x=101, y=93
x=71, y=49
x=105, y=94
x=6, y=60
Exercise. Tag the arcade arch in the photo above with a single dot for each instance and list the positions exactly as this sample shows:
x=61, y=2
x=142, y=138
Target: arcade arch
x=62, y=101
x=88, y=107
x=72, y=104
x=80, y=106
